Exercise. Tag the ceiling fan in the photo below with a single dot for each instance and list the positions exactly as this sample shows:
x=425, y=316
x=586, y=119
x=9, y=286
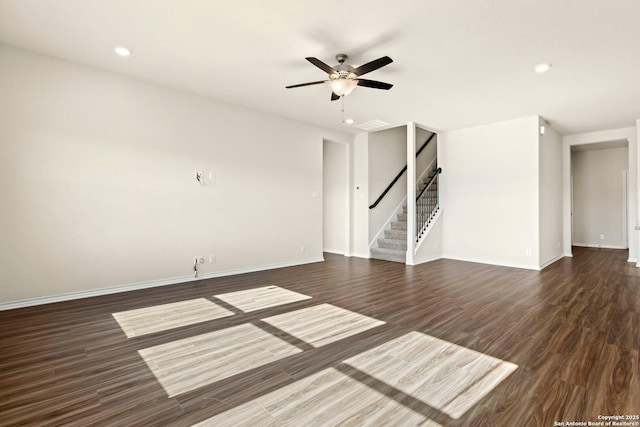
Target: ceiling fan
x=343, y=78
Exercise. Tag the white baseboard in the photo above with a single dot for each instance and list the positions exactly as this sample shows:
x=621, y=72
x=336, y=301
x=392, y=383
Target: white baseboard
x=424, y=260
x=590, y=245
x=335, y=251
x=551, y=261
x=491, y=262
x=358, y=255
x=632, y=260
x=9, y=305
x=568, y=254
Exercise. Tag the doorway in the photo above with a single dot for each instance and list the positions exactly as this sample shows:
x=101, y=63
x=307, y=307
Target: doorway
x=599, y=195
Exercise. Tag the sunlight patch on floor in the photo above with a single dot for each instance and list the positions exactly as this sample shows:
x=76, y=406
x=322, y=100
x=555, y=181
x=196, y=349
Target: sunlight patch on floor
x=163, y=317
x=260, y=298
x=190, y=363
x=322, y=324
x=326, y=398
x=443, y=375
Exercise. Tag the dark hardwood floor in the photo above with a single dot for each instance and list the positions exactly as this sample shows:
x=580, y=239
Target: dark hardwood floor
x=573, y=330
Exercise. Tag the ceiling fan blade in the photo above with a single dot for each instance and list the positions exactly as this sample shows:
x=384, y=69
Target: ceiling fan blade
x=307, y=84
x=324, y=67
x=374, y=84
x=372, y=66
x=334, y=97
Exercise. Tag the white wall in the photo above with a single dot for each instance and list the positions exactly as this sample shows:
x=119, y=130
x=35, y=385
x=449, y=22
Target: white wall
x=598, y=197
x=359, y=195
x=429, y=153
x=629, y=134
x=489, y=193
x=98, y=189
x=550, y=182
x=387, y=156
x=335, y=190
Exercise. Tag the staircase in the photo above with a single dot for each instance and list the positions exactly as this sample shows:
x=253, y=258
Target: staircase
x=393, y=247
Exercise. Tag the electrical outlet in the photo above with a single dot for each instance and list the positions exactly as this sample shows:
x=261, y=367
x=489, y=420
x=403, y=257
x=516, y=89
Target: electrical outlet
x=302, y=249
x=212, y=259
x=198, y=260
x=602, y=237
x=528, y=252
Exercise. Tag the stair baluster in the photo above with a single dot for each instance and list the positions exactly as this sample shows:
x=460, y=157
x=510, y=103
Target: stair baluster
x=427, y=203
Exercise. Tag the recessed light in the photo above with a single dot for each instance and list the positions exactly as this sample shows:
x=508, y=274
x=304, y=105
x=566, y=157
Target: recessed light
x=122, y=51
x=348, y=121
x=542, y=68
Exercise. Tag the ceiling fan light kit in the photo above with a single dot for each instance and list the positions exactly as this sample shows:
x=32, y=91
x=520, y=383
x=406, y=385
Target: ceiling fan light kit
x=341, y=86
x=343, y=78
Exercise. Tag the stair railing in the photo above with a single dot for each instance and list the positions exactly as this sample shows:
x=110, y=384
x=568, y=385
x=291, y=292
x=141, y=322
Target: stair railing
x=427, y=204
x=404, y=169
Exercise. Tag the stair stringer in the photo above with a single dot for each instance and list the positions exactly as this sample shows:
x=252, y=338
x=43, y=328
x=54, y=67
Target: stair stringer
x=387, y=224
x=429, y=247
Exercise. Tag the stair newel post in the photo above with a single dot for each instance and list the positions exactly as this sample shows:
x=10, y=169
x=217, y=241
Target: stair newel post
x=411, y=191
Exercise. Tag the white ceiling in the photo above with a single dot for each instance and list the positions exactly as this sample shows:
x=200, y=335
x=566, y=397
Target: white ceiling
x=457, y=63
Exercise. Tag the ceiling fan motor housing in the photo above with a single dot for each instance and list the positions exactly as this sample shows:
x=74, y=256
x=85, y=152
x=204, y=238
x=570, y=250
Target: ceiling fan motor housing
x=345, y=71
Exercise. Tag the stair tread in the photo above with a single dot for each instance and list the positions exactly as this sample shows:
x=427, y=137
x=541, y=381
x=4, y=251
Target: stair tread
x=395, y=234
x=397, y=244
x=391, y=240
x=389, y=251
x=391, y=255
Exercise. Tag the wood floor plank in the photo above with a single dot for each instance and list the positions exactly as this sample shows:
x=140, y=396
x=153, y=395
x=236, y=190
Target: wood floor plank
x=616, y=387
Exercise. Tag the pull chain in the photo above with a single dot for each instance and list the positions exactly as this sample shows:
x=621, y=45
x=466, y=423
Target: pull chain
x=345, y=121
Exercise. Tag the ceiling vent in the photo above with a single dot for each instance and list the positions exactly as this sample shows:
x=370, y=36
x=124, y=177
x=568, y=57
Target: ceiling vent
x=372, y=125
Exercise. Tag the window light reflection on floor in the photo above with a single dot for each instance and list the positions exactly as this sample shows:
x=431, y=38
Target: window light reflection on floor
x=435, y=376
x=326, y=398
x=163, y=317
x=444, y=375
x=322, y=324
x=191, y=363
x=260, y=298
x=401, y=382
